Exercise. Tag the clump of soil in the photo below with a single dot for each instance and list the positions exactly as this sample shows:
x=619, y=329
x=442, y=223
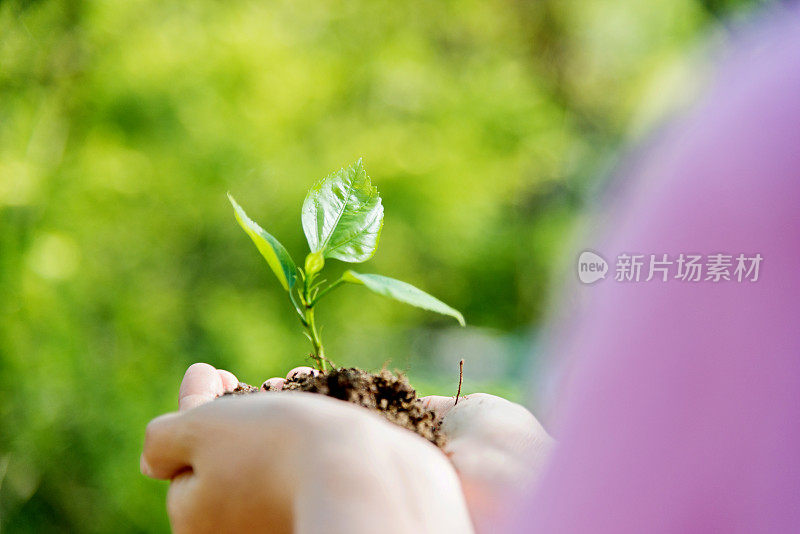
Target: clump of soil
x=385, y=393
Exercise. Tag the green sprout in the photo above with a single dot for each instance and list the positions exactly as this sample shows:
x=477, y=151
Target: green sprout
x=342, y=219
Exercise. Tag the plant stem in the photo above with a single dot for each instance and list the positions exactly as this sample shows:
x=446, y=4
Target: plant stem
x=327, y=290
x=307, y=320
x=460, y=379
x=316, y=342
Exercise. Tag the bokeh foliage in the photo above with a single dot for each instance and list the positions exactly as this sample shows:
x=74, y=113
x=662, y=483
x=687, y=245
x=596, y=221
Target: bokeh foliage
x=123, y=124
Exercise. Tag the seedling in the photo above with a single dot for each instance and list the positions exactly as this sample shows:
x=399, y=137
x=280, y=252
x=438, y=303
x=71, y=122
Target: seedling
x=342, y=218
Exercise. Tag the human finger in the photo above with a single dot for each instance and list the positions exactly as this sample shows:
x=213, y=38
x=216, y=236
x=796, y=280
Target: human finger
x=167, y=447
x=440, y=405
x=273, y=384
x=200, y=384
x=229, y=380
x=300, y=371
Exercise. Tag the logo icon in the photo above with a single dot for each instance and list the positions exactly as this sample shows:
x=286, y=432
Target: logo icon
x=591, y=267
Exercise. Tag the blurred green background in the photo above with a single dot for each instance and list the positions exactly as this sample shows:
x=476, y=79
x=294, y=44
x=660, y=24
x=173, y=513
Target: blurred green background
x=485, y=125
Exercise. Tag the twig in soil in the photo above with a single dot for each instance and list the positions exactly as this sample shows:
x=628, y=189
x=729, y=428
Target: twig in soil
x=460, y=379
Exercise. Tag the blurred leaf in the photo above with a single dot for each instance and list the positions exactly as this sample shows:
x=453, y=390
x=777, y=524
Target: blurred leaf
x=343, y=215
x=276, y=255
x=389, y=287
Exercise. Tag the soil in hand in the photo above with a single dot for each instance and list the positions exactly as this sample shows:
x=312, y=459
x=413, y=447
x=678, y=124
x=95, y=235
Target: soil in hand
x=385, y=393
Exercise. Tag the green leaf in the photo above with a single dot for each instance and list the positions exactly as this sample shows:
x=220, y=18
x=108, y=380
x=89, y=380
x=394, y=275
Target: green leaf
x=389, y=287
x=276, y=255
x=314, y=263
x=343, y=215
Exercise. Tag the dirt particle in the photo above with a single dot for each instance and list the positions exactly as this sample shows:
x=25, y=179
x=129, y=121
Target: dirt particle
x=242, y=389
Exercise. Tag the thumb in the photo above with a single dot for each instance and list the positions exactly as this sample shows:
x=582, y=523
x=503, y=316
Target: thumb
x=168, y=445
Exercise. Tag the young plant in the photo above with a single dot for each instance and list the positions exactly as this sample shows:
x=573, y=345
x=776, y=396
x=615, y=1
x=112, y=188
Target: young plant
x=342, y=219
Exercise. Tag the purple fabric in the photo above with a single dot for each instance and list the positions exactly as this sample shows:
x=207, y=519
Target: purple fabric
x=682, y=411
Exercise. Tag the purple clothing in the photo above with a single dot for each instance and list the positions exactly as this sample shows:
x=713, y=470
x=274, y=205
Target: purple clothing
x=682, y=411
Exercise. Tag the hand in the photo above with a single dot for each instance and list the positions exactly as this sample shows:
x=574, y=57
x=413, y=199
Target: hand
x=497, y=447
x=295, y=462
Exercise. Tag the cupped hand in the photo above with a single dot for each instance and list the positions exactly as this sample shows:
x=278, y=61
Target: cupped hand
x=496, y=446
x=295, y=462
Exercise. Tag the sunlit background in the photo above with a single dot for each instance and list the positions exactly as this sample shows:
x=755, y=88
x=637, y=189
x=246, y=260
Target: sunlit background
x=488, y=127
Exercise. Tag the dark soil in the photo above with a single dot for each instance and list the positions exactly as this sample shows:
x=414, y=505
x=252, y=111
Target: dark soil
x=385, y=393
